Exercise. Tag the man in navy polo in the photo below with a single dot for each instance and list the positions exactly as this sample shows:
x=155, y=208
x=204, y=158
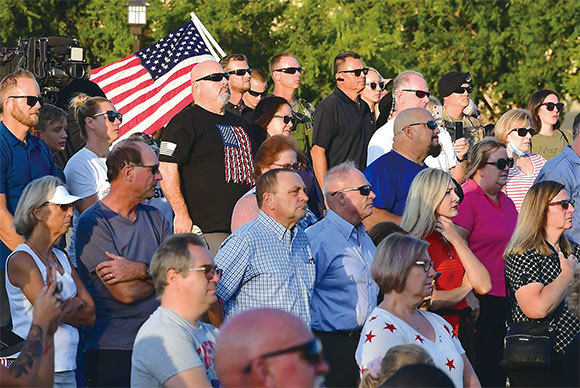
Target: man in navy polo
x=23, y=158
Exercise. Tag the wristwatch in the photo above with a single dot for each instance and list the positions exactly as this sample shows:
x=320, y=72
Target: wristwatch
x=149, y=273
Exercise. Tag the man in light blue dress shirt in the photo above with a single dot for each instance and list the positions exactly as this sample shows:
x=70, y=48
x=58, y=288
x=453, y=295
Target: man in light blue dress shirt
x=344, y=291
x=267, y=262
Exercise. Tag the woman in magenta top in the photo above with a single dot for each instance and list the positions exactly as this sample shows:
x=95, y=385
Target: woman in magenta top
x=486, y=220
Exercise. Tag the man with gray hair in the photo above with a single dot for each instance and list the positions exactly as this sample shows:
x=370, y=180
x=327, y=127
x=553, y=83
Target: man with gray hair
x=344, y=291
x=173, y=348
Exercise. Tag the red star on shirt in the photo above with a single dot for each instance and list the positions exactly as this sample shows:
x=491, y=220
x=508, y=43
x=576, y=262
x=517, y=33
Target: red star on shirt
x=373, y=318
x=390, y=327
x=362, y=369
x=369, y=336
x=449, y=363
x=418, y=338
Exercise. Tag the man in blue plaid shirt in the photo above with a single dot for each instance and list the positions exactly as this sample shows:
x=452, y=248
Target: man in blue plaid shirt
x=267, y=262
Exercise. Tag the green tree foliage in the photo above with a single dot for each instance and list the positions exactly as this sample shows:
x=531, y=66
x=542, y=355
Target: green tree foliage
x=511, y=48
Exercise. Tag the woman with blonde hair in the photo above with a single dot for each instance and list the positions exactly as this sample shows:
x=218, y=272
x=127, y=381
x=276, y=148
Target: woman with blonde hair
x=431, y=204
x=539, y=266
x=514, y=129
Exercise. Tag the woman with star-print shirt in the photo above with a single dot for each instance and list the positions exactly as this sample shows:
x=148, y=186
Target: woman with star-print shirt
x=404, y=271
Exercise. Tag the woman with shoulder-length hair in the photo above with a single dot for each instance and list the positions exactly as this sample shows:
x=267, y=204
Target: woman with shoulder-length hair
x=514, y=129
x=539, y=266
x=404, y=272
x=545, y=107
x=431, y=204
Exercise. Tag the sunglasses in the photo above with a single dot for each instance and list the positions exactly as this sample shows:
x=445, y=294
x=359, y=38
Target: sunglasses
x=363, y=190
x=240, y=72
x=311, y=351
x=357, y=72
x=111, y=115
x=292, y=166
x=31, y=100
x=286, y=119
x=210, y=270
x=289, y=70
x=502, y=163
x=522, y=132
x=427, y=265
x=565, y=203
x=154, y=168
x=418, y=93
x=463, y=89
x=64, y=207
x=373, y=85
x=215, y=77
x=258, y=94
x=549, y=106
x=431, y=124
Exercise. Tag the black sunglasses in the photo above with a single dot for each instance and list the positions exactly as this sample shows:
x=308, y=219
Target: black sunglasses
x=292, y=166
x=463, y=89
x=431, y=124
x=240, y=72
x=522, y=132
x=286, y=119
x=111, y=115
x=311, y=350
x=289, y=70
x=31, y=100
x=418, y=93
x=215, y=77
x=210, y=270
x=357, y=72
x=363, y=190
x=502, y=163
x=154, y=168
x=64, y=207
x=550, y=106
x=373, y=85
x=565, y=203
x=427, y=265
x=258, y=94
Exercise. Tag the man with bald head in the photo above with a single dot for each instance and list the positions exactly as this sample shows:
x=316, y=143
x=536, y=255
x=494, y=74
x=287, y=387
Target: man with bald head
x=268, y=348
x=206, y=158
x=416, y=137
x=344, y=291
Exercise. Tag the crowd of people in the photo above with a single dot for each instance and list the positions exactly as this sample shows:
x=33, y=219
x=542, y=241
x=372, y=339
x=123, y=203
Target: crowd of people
x=394, y=231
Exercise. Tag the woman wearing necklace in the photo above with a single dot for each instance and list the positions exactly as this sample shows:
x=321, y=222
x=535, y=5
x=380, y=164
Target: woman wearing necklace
x=404, y=271
x=431, y=204
x=43, y=215
x=514, y=129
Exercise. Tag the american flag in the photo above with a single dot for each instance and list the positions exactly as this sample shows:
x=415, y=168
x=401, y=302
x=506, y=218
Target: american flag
x=238, y=160
x=153, y=85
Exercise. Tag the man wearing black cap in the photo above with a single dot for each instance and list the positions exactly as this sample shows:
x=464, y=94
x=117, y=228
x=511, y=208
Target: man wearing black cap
x=454, y=90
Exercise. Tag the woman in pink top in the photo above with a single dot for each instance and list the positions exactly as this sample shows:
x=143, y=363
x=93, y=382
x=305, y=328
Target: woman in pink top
x=514, y=129
x=486, y=219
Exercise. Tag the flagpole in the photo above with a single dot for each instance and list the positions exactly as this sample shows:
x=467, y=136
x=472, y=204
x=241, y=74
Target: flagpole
x=210, y=41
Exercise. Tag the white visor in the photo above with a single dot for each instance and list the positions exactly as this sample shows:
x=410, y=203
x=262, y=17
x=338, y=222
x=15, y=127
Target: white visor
x=62, y=197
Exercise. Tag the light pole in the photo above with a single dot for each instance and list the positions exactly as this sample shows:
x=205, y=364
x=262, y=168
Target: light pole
x=137, y=19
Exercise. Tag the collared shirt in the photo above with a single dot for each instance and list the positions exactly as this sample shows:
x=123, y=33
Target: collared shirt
x=20, y=163
x=565, y=169
x=266, y=265
x=344, y=291
x=343, y=127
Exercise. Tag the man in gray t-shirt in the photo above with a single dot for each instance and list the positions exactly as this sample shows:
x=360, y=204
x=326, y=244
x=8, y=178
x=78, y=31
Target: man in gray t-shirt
x=173, y=348
x=115, y=240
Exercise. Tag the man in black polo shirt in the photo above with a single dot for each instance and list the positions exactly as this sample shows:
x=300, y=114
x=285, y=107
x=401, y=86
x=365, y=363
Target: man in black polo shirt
x=343, y=123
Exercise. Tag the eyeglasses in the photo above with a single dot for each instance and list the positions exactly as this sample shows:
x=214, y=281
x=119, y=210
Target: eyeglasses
x=258, y=94
x=357, y=72
x=522, y=132
x=550, y=106
x=503, y=163
x=373, y=85
x=363, y=190
x=240, y=72
x=311, y=351
x=418, y=93
x=111, y=115
x=427, y=265
x=292, y=166
x=286, y=119
x=31, y=100
x=463, y=89
x=289, y=70
x=154, y=168
x=431, y=124
x=210, y=270
x=565, y=203
x=64, y=207
x=215, y=77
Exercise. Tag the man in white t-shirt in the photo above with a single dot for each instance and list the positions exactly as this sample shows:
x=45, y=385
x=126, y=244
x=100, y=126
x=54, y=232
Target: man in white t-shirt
x=173, y=348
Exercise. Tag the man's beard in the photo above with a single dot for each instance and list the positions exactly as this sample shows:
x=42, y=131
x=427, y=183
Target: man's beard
x=434, y=150
x=224, y=97
x=23, y=118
